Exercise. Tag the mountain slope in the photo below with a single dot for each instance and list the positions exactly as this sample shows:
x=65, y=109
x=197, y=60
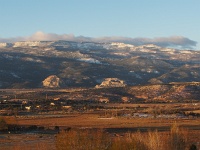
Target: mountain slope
x=87, y=64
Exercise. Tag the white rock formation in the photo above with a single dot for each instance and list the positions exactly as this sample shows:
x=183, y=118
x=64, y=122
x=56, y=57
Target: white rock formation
x=51, y=82
x=111, y=82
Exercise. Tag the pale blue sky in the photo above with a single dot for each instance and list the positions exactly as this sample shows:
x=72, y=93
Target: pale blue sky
x=97, y=18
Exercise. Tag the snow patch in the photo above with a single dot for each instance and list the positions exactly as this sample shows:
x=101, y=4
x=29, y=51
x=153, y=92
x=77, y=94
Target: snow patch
x=6, y=45
x=116, y=45
x=90, y=60
x=185, y=52
x=150, y=46
x=147, y=51
x=32, y=43
x=14, y=75
x=122, y=54
x=32, y=60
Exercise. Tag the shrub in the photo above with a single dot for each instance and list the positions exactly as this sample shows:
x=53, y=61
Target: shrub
x=3, y=124
x=128, y=142
x=153, y=140
x=83, y=140
x=193, y=147
x=178, y=138
x=96, y=140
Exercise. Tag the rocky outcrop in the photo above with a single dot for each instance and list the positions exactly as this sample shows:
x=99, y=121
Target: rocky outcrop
x=111, y=82
x=52, y=82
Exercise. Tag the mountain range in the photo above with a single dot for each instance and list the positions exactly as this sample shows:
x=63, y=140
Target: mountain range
x=87, y=64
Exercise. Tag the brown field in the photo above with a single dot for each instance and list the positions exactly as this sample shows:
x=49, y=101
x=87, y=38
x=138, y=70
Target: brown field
x=115, y=125
x=113, y=118
x=95, y=121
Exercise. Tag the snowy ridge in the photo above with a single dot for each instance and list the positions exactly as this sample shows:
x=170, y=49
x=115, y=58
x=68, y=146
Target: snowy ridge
x=116, y=45
x=6, y=44
x=86, y=45
x=86, y=63
x=78, y=50
x=32, y=43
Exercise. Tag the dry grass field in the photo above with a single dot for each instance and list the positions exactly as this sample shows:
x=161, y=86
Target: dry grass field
x=117, y=126
x=116, y=120
x=95, y=121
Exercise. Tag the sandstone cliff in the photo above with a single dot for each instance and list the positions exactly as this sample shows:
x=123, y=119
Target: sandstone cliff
x=111, y=82
x=51, y=82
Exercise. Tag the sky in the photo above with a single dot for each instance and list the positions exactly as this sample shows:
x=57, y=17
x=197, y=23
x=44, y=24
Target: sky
x=162, y=22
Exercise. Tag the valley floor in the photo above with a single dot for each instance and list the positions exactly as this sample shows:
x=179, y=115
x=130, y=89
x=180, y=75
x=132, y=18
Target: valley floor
x=117, y=126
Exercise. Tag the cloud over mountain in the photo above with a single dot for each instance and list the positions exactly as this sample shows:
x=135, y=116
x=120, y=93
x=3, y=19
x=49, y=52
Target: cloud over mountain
x=173, y=41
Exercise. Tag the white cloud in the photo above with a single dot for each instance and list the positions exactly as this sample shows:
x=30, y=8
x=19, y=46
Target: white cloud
x=173, y=41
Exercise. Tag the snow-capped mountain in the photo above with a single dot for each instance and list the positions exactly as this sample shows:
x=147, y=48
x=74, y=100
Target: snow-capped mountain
x=27, y=64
